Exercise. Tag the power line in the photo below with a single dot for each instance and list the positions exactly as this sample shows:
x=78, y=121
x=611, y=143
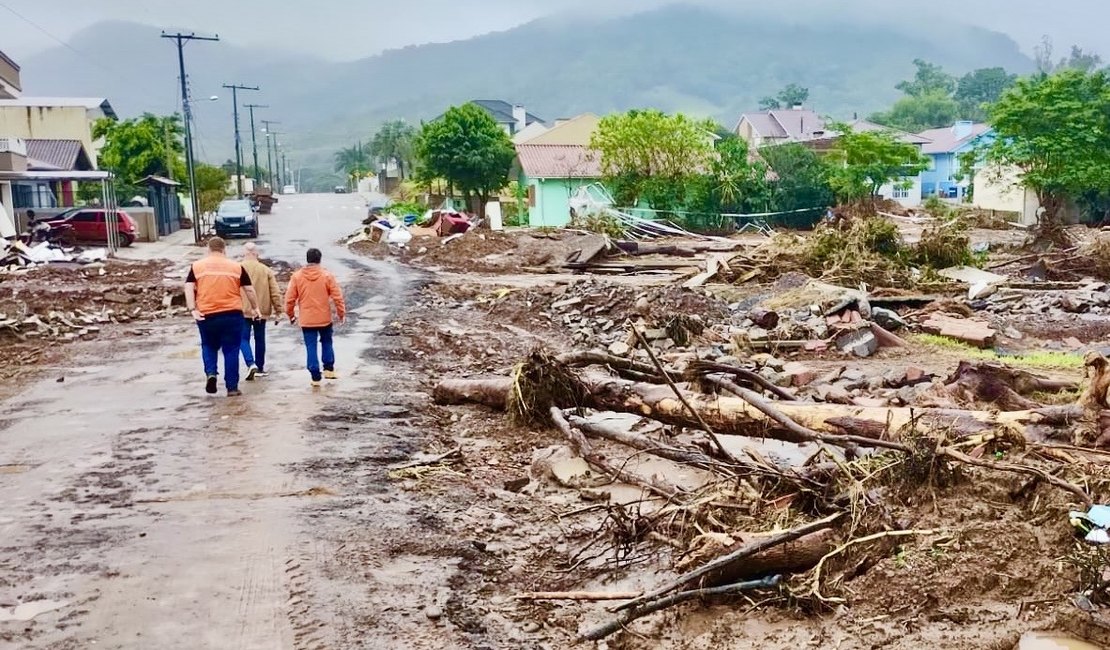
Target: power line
x=235, y=88
x=85, y=57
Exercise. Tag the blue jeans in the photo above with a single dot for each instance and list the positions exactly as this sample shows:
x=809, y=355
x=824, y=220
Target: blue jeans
x=222, y=332
x=258, y=357
x=324, y=334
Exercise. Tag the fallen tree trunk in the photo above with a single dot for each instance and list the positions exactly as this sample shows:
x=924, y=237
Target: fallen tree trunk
x=795, y=556
x=735, y=416
x=1005, y=387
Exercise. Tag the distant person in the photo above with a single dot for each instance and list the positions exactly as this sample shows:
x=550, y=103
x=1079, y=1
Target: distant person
x=265, y=286
x=215, y=290
x=30, y=216
x=312, y=291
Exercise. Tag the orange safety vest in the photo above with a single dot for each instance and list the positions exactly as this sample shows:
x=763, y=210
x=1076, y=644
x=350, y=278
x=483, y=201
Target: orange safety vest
x=218, y=285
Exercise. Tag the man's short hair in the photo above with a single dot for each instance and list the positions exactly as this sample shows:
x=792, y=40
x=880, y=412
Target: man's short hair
x=313, y=256
x=217, y=245
x=251, y=248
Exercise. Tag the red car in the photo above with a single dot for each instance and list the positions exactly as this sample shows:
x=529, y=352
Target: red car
x=90, y=225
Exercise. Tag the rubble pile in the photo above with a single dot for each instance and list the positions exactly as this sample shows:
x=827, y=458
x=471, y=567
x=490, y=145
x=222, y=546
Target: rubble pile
x=66, y=303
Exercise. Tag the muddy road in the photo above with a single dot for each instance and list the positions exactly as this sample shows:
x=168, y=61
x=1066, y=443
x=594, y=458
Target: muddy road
x=139, y=512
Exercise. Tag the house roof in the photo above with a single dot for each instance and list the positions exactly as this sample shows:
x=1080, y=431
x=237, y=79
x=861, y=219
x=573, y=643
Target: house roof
x=575, y=131
x=558, y=161
x=88, y=103
x=865, y=126
x=64, y=155
x=158, y=180
x=797, y=125
x=532, y=130
x=502, y=111
x=949, y=139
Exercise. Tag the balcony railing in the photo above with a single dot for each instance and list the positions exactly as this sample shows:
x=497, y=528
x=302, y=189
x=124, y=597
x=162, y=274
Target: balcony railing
x=13, y=145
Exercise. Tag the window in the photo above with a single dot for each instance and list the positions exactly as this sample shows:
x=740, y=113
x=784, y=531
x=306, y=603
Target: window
x=901, y=192
x=84, y=217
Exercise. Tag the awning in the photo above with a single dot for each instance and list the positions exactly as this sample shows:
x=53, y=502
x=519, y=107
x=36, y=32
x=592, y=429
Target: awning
x=60, y=175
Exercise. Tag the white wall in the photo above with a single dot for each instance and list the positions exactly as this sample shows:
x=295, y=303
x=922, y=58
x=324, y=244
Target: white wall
x=912, y=195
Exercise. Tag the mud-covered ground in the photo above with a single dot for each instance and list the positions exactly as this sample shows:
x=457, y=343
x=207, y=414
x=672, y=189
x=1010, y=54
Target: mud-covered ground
x=997, y=557
x=141, y=513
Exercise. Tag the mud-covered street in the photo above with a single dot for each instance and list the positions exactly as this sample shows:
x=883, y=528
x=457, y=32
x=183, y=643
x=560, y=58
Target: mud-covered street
x=140, y=512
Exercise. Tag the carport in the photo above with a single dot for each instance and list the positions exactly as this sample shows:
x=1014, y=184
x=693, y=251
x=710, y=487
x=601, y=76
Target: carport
x=108, y=201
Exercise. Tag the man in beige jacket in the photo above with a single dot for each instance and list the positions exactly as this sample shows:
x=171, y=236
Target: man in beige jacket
x=269, y=304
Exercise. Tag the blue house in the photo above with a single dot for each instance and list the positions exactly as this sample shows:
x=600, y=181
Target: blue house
x=944, y=177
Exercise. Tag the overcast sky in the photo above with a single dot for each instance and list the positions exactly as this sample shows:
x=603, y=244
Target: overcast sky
x=349, y=29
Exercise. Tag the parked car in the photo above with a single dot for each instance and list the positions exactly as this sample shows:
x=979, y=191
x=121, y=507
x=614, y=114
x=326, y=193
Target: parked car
x=236, y=217
x=289, y=189
x=339, y=189
x=90, y=225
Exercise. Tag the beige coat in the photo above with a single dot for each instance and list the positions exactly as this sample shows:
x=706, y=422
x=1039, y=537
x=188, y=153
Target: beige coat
x=266, y=286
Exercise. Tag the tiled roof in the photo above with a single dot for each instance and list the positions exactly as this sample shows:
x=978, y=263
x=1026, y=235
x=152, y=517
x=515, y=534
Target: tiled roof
x=66, y=155
x=795, y=125
x=946, y=140
x=558, y=161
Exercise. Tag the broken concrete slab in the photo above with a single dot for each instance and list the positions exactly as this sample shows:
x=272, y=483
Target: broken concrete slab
x=861, y=342
x=966, y=330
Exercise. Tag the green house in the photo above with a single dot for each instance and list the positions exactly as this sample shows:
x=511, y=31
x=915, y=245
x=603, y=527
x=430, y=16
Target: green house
x=550, y=174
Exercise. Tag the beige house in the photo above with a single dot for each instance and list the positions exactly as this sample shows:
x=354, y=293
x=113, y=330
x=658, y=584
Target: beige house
x=575, y=131
x=1001, y=188
x=54, y=118
x=780, y=126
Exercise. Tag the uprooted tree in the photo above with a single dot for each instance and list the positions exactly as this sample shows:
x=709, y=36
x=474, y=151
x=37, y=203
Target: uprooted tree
x=1035, y=444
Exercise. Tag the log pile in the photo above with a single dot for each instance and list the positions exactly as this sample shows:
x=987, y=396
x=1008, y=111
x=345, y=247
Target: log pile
x=835, y=499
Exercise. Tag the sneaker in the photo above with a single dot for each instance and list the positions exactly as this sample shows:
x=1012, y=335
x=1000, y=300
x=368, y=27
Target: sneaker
x=252, y=372
x=261, y=373
x=210, y=385
x=331, y=374
x=234, y=393
x=316, y=381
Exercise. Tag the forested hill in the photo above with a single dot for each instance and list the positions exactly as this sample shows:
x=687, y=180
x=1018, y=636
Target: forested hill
x=708, y=62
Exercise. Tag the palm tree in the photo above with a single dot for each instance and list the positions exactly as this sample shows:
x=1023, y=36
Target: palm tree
x=394, y=142
x=353, y=161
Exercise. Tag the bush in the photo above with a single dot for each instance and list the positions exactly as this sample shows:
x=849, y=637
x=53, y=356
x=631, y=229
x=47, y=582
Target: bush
x=600, y=223
x=936, y=207
x=942, y=246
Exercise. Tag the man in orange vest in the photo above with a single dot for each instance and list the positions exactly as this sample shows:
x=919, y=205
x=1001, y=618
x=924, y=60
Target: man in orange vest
x=214, y=293
x=313, y=290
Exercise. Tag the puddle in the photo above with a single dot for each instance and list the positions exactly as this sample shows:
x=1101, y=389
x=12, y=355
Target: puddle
x=1049, y=641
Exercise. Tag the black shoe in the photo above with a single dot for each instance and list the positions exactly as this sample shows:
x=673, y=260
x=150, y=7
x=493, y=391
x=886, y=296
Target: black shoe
x=234, y=393
x=210, y=385
x=261, y=373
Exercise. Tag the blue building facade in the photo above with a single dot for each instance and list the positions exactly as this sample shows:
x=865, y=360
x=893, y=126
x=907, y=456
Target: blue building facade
x=946, y=176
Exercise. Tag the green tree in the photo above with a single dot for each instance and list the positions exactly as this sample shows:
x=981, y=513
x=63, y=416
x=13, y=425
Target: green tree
x=140, y=147
x=649, y=155
x=801, y=178
x=468, y=149
x=1053, y=129
x=978, y=89
x=353, y=161
x=736, y=182
x=864, y=161
x=929, y=78
x=212, y=186
x=394, y=143
x=789, y=96
x=919, y=112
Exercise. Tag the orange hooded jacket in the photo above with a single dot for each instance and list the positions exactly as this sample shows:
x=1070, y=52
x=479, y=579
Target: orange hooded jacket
x=313, y=289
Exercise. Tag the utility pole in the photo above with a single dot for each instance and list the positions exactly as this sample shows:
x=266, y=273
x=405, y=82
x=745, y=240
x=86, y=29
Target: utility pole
x=254, y=142
x=235, y=88
x=284, y=169
x=270, y=135
x=190, y=163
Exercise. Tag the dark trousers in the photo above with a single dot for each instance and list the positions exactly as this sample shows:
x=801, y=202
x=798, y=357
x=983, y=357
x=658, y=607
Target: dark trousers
x=256, y=358
x=327, y=349
x=222, y=332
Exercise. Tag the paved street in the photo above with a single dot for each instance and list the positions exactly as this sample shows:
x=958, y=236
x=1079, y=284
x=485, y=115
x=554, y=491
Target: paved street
x=147, y=514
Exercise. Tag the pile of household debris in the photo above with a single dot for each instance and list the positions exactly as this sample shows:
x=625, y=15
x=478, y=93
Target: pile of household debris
x=400, y=230
x=20, y=257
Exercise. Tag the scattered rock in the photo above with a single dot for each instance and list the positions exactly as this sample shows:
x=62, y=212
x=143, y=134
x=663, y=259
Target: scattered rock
x=433, y=612
x=531, y=627
x=619, y=349
x=861, y=343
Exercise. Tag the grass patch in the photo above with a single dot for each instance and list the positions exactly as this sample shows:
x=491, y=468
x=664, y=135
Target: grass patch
x=1036, y=359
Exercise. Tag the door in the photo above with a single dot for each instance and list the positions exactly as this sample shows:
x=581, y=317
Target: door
x=84, y=225
x=100, y=230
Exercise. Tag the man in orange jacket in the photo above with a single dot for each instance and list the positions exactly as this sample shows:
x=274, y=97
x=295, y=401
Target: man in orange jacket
x=216, y=290
x=312, y=291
